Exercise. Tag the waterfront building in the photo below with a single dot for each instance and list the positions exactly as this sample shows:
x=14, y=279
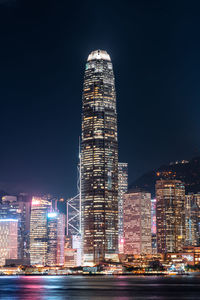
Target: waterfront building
x=70, y=258
x=192, y=212
x=137, y=222
x=153, y=226
x=55, y=238
x=10, y=209
x=189, y=256
x=38, y=230
x=8, y=240
x=170, y=215
x=18, y=207
x=17, y=262
x=24, y=208
x=197, y=199
x=99, y=160
x=122, y=189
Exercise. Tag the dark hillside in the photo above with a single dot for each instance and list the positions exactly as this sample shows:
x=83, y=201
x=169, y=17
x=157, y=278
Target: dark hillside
x=188, y=172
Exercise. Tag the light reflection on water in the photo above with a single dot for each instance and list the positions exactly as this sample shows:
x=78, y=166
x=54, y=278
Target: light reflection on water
x=99, y=287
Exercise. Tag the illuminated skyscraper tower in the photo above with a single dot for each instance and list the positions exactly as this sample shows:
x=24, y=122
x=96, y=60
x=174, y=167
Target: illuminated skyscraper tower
x=38, y=230
x=192, y=212
x=99, y=160
x=56, y=238
x=170, y=215
x=122, y=189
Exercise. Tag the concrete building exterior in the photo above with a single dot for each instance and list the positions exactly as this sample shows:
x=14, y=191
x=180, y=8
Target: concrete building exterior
x=8, y=240
x=122, y=189
x=170, y=215
x=137, y=222
x=55, y=238
x=38, y=231
x=192, y=214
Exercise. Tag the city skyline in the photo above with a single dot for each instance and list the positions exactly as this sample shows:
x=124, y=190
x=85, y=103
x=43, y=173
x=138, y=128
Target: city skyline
x=100, y=149
x=113, y=222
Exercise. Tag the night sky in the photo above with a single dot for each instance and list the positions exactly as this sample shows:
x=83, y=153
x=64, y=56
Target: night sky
x=155, y=50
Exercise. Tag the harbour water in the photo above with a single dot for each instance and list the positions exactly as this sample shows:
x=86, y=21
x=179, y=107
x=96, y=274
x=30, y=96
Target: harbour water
x=99, y=287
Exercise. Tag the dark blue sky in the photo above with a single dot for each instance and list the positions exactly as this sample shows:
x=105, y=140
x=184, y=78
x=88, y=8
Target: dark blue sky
x=155, y=50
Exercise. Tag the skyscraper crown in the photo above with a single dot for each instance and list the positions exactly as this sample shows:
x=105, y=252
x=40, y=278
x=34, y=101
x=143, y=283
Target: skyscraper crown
x=99, y=54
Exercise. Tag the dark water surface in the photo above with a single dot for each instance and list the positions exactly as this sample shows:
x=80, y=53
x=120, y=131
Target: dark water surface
x=101, y=287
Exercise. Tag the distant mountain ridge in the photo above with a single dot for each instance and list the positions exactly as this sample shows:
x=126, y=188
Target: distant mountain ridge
x=186, y=171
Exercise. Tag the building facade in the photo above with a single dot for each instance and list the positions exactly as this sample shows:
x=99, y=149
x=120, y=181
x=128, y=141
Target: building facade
x=170, y=215
x=122, y=189
x=99, y=159
x=8, y=240
x=10, y=209
x=153, y=226
x=55, y=238
x=137, y=223
x=24, y=207
x=192, y=213
x=38, y=231
x=70, y=258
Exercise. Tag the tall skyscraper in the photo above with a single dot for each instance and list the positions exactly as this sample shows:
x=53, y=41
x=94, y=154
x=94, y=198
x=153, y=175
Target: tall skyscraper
x=38, y=231
x=170, y=215
x=153, y=225
x=192, y=212
x=122, y=189
x=55, y=238
x=99, y=160
x=8, y=240
x=137, y=222
x=24, y=206
x=10, y=209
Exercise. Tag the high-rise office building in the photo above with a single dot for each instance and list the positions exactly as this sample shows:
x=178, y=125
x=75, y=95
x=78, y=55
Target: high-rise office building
x=153, y=225
x=99, y=160
x=137, y=222
x=10, y=209
x=55, y=238
x=8, y=240
x=122, y=189
x=18, y=208
x=24, y=208
x=170, y=215
x=38, y=230
x=197, y=199
x=192, y=212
